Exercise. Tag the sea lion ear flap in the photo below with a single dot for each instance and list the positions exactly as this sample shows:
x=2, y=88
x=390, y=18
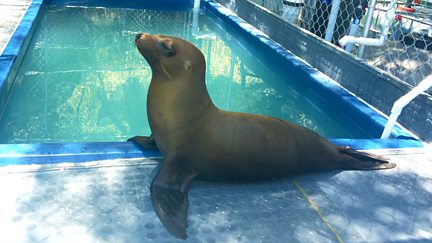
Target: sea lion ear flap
x=188, y=66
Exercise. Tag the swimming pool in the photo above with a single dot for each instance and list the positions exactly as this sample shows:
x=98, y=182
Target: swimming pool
x=82, y=79
x=87, y=83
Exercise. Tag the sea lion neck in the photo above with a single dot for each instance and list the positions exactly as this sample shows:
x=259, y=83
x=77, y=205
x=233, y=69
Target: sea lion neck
x=179, y=94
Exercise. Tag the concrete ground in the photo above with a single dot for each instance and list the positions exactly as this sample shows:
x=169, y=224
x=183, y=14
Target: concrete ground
x=109, y=201
x=11, y=12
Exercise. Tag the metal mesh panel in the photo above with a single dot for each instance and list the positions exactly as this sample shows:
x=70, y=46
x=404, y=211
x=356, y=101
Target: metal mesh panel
x=406, y=49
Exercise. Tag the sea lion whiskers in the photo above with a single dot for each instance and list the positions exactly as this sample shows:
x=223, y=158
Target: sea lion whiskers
x=164, y=70
x=146, y=51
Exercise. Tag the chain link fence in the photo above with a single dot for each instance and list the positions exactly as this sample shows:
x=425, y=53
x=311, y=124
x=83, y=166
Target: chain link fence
x=399, y=33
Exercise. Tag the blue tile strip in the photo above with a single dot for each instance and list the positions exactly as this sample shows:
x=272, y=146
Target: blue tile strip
x=25, y=154
x=53, y=153
x=363, y=144
x=134, y=4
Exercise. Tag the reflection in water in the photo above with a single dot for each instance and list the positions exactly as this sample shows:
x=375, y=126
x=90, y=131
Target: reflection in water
x=83, y=80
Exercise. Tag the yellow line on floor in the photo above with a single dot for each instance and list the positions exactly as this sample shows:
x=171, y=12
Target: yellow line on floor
x=315, y=207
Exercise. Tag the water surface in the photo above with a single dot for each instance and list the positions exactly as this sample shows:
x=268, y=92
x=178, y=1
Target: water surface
x=82, y=79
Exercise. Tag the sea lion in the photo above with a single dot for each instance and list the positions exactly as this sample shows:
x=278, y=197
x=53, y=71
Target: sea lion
x=198, y=140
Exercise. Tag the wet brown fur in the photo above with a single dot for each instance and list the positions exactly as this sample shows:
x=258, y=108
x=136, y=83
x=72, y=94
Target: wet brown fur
x=197, y=139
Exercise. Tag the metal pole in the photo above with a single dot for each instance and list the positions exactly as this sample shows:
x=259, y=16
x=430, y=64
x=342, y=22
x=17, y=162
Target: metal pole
x=369, y=18
x=197, y=4
x=352, y=32
x=332, y=20
x=402, y=102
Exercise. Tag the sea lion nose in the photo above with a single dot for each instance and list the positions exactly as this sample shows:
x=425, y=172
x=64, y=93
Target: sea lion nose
x=138, y=36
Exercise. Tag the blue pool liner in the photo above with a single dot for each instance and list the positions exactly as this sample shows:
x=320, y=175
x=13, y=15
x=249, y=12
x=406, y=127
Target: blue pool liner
x=134, y=4
x=55, y=153
x=15, y=50
x=26, y=154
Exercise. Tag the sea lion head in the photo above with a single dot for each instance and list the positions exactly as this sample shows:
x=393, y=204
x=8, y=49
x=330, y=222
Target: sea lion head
x=170, y=57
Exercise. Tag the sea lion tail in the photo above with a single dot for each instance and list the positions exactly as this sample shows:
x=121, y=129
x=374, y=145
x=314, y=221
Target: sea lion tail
x=364, y=161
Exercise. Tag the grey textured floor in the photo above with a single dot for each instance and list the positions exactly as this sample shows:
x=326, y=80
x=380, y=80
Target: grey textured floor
x=11, y=12
x=110, y=203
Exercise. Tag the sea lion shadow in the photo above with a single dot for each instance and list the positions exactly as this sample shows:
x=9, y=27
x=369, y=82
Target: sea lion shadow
x=319, y=175
x=251, y=209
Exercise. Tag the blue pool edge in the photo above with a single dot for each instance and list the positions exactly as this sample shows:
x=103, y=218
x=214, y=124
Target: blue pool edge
x=25, y=154
x=54, y=153
x=11, y=58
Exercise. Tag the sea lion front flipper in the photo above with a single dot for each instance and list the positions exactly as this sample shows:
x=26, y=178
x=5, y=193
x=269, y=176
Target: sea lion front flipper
x=169, y=196
x=145, y=142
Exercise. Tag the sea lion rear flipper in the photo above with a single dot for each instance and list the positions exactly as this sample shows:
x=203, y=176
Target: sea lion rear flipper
x=144, y=142
x=169, y=196
x=366, y=161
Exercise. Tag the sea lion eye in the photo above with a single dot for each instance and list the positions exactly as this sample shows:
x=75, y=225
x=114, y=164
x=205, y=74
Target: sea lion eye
x=167, y=48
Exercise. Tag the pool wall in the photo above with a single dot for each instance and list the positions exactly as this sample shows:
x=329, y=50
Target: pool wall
x=12, y=154
x=11, y=58
x=148, y=4
x=376, y=87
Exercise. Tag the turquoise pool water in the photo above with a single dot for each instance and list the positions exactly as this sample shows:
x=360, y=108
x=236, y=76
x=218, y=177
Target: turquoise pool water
x=82, y=79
